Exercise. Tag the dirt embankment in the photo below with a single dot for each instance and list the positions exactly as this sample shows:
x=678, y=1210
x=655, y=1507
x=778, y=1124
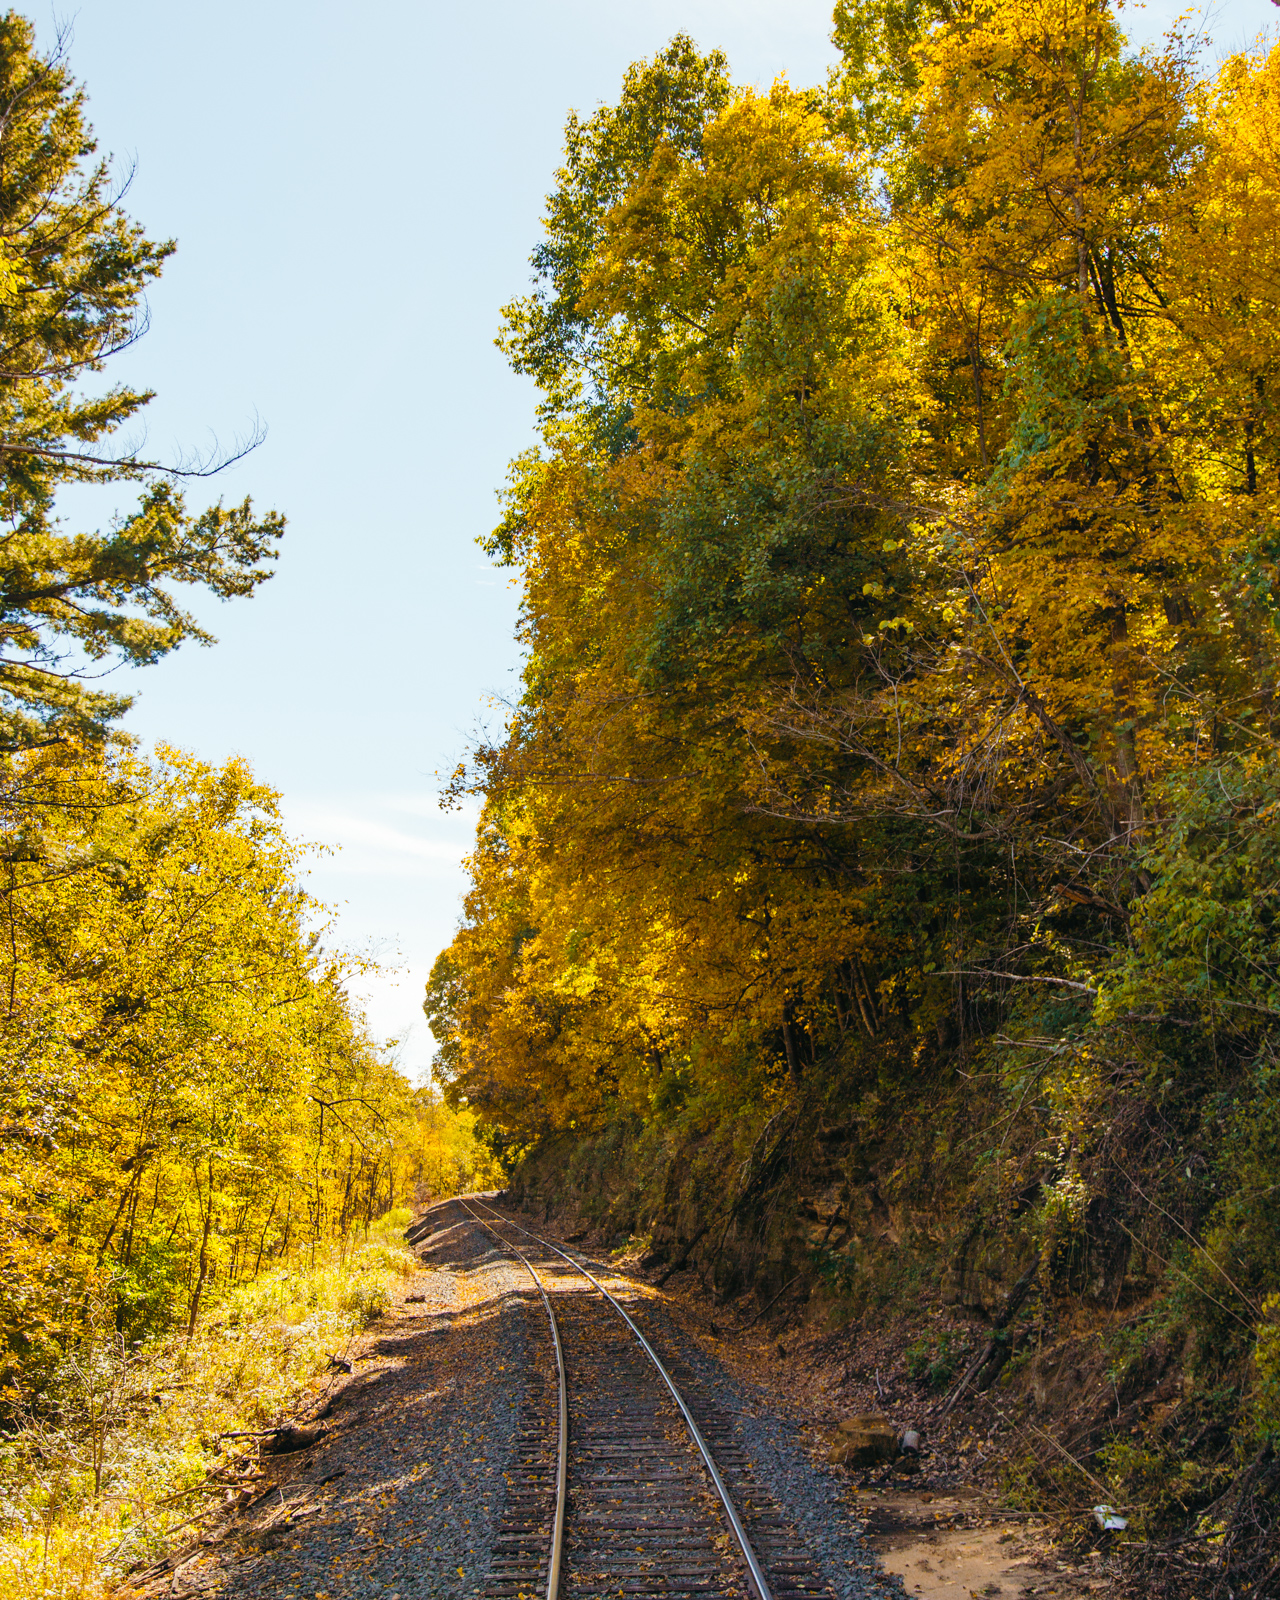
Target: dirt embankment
x=1034, y=1401
x=935, y=1516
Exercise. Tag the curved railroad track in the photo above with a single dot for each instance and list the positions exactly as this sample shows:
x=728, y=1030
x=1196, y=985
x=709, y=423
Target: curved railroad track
x=621, y=1484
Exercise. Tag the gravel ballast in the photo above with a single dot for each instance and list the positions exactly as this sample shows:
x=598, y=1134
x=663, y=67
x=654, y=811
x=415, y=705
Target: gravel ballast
x=813, y=1499
x=403, y=1496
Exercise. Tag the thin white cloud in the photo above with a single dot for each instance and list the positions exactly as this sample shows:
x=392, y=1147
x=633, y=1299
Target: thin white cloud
x=365, y=843
x=392, y=882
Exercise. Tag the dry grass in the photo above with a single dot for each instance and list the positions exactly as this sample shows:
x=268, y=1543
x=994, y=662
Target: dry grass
x=132, y=1447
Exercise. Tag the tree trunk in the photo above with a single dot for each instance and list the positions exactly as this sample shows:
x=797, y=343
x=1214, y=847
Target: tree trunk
x=204, y=1268
x=1126, y=793
x=789, y=1042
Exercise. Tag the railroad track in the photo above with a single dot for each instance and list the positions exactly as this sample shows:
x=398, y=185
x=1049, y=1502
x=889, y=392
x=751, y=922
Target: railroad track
x=622, y=1484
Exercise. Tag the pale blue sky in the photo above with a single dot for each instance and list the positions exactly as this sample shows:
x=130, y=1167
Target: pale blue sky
x=355, y=192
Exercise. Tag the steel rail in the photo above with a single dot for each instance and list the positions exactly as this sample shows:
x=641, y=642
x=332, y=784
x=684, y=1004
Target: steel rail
x=739, y=1532
x=562, y=1467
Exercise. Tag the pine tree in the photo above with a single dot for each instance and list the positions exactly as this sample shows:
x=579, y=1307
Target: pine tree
x=73, y=271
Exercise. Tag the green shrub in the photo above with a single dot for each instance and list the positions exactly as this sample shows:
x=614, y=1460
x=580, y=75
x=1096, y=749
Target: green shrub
x=935, y=1361
x=1266, y=1363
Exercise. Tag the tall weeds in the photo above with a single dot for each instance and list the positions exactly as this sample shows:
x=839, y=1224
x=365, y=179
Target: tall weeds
x=130, y=1444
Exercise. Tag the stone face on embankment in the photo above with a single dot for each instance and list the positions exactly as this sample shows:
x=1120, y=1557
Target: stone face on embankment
x=808, y=1222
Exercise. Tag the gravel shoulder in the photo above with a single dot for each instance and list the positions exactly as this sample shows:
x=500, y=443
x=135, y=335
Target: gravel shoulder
x=400, y=1497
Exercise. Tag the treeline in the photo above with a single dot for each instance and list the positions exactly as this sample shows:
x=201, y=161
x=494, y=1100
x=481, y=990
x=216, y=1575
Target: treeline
x=189, y=1094
x=899, y=719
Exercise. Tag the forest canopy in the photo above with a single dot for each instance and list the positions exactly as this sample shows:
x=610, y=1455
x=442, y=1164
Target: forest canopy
x=898, y=734
x=900, y=548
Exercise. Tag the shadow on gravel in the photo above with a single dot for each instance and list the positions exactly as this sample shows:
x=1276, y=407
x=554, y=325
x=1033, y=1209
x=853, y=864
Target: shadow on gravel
x=401, y=1497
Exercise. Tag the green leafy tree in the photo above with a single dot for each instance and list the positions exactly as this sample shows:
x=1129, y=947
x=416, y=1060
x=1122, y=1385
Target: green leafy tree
x=551, y=335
